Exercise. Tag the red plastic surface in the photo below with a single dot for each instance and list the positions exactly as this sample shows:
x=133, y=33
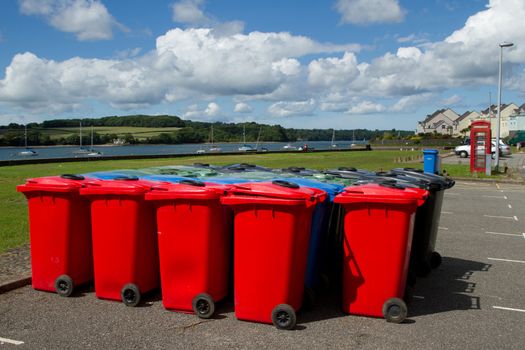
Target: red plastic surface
x=377, y=243
x=124, y=237
x=271, y=235
x=60, y=231
x=194, y=237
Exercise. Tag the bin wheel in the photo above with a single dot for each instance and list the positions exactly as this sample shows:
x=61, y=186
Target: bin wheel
x=203, y=305
x=64, y=285
x=283, y=317
x=423, y=269
x=309, y=298
x=395, y=310
x=435, y=260
x=130, y=295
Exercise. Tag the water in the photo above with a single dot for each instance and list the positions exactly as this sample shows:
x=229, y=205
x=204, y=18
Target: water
x=8, y=153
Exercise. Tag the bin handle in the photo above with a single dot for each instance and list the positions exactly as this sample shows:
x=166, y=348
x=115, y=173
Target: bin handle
x=347, y=168
x=285, y=183
x=192, y=182
x=247, y=165
x=202, y=164
x=413, y=169
x=126, y=178
x=391, y=184
x=72, y=176
x=295, y=169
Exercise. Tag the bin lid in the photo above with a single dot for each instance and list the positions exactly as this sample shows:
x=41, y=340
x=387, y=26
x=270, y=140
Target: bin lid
x=122, y=186
x=164, y=178
x=186, y=189
x=225, y=180
x=331, y=189
x=430, y=151
x=437, y=181
x=62, y=183
x=382, y=193
x=112, y=174
x=274, y=192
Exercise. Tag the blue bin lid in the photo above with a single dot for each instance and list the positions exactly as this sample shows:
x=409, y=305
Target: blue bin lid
x=112, y=174
x=330, y=188
x=165, y=178
x=430, y=151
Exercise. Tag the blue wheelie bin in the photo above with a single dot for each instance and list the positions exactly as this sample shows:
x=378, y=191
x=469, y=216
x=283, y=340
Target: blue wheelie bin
x=323, y=217
x=113, y=174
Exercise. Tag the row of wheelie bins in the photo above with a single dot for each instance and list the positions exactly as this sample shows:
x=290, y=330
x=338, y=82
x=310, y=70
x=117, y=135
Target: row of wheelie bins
x=133, y=231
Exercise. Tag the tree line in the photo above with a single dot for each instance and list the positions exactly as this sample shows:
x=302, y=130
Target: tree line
x=189, y=132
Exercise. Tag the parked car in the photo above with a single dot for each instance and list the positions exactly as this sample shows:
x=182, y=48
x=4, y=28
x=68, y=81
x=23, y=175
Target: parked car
x=464, y=150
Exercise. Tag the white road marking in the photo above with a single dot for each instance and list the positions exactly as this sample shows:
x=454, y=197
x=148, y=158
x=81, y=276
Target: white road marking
x=504, y=234
x=446, y=212
x=10, y=341
x=497, y=185
x=443, y=228
x=507, y=260
x=507, y=308
x=501, y=217
x=515, y=218
x=502, y=197
x=524, y=235
x=510, y=206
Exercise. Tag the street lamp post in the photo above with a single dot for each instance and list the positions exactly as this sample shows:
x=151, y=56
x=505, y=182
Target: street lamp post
x=498, y=119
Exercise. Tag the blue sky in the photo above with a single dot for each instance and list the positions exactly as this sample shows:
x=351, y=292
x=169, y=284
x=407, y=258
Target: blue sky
x=317, y=64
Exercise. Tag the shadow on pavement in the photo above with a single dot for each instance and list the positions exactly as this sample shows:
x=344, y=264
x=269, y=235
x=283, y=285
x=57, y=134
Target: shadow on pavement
x=448, y=288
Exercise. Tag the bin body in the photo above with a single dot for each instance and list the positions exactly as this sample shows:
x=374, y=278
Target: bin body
x=427, y=218
x=124, y=237
x=323, y=216
x=60, y=231
x=194, y=237
x=431, y=161
x=378, y=228
x=271, y=236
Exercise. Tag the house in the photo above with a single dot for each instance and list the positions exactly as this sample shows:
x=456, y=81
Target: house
x=441, y=122
x=517, y=120
x=464, y=121
x=507, y=110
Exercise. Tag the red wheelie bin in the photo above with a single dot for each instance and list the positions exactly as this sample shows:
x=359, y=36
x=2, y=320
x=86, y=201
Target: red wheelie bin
x=272, y=223
x=60, y=233
x=126, y=263
x=194, y=237
x=378, y=229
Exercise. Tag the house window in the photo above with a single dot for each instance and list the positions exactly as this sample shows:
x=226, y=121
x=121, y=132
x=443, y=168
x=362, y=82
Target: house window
x=443, y=126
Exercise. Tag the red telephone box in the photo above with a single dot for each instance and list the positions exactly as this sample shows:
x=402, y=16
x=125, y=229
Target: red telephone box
x=480, y=146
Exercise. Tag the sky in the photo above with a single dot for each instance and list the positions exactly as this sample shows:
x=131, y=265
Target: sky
x=344, y=64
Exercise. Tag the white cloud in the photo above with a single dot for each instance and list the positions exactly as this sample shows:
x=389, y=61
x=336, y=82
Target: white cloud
x=366, y=107
x=450, y=101
x=189, y=12
x=370, y=11
x=87, y=19
x=210, y=112
x=242, y=107
x=198, y=64
x=292, y=108
x=411, y=103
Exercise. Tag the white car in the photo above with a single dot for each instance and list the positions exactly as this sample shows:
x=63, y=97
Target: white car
x=464, y=150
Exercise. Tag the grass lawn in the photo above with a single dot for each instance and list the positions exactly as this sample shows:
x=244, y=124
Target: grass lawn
x=13, y=215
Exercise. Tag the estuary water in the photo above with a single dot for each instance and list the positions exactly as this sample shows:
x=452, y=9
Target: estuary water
x=10, y=153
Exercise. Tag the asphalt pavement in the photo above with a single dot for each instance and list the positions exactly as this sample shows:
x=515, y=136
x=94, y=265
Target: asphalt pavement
x=474, y=300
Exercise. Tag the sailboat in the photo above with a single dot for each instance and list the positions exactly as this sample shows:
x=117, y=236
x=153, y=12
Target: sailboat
x=27, y=151
x=353, y=138
x=263, y=149
x=92, y=152
x=213, y=148
x=333, y=145
x=245, y=147
x=81, y=150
